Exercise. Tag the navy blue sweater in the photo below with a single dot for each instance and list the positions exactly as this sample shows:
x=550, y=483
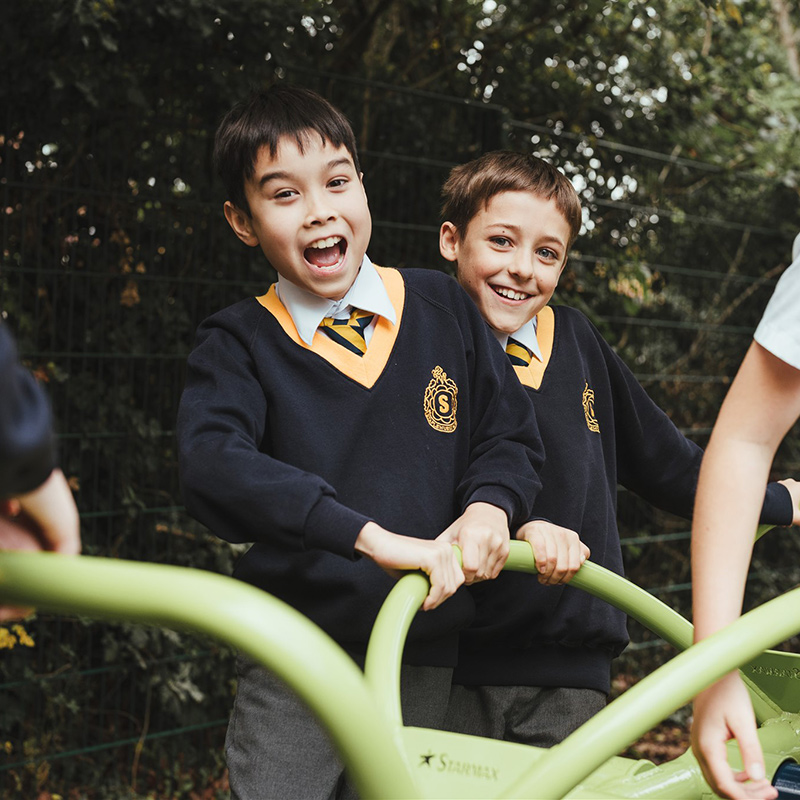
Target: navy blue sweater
x=27, y=445
x=295, y=448
x=599, y=428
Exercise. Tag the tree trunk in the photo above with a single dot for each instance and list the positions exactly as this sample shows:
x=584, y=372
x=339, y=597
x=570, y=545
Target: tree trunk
x=788, y=37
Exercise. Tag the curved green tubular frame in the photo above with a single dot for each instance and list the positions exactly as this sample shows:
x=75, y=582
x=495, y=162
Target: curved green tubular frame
x=388, y=638
x=384, y=654
x=657, y=696
x=365, y=720
x=618, y=591
x=256, y=623
x=385, y=650
x=643, y=607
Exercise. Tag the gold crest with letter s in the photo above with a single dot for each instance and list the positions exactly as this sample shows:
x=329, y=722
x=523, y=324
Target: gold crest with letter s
x=588, y=409
x=441, y=402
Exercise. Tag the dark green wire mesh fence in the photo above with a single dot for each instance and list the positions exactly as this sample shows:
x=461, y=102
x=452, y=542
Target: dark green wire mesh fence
x=114, y=248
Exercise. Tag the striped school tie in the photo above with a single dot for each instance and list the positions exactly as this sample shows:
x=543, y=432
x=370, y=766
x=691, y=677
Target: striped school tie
x=518, y=354
x=349, y=333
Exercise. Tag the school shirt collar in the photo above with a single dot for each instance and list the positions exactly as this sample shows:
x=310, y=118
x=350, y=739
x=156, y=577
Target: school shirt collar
x=307, y=310
x=525, y=335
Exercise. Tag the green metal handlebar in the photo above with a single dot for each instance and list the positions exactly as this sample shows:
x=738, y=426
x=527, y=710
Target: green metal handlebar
x=643, y=607
x=614, y=589
x=364, y=718
x=631, y=715
x=384, y=654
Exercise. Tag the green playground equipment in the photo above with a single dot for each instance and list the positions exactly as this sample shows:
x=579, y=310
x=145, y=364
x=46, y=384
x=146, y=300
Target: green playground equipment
x=361, y=710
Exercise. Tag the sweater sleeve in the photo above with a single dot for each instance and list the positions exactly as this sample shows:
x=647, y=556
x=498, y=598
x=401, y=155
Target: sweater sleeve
x=655, y=460
x=27, y=444
x=506, y=449
x=228, y=480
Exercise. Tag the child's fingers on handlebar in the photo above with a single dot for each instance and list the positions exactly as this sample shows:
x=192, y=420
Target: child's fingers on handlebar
x=471, y=560
x=498, y=558
x=444, y=573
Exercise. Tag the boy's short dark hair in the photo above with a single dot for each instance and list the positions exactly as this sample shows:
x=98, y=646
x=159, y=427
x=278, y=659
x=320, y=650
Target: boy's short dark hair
x=472, y=185
x=262, y=121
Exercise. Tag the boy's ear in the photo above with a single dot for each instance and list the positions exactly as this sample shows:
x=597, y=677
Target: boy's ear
x=241, y=223
x=448, y=241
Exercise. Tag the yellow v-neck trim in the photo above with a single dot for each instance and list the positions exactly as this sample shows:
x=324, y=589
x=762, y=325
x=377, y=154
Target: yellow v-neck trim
x=533, y=374
x=364, y=369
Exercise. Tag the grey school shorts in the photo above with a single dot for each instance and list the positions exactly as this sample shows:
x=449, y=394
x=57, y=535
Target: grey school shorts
x=538, y=716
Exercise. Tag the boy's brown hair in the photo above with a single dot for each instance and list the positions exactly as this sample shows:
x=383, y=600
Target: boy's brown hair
x=472, y=185
x=262, y=121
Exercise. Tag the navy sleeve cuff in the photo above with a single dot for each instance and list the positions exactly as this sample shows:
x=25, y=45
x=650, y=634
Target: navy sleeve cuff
x=777, y=508
x=497, y=496
x=333, y=527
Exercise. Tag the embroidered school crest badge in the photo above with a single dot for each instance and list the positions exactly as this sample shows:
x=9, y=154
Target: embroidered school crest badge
x=441, y=402
x=588, y=409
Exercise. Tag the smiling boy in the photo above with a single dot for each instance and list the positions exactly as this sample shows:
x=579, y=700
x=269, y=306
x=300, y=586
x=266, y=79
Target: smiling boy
x=349, y=411
x=536, y=662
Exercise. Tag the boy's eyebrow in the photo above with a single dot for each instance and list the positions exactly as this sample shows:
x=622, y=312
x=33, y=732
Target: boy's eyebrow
x=272, y=176
x=340, y=162
x=548, y=237
x=507, y=225
x=280, y=174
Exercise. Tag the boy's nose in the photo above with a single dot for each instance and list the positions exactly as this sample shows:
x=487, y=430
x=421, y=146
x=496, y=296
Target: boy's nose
x=319, y=211
x=522, y=267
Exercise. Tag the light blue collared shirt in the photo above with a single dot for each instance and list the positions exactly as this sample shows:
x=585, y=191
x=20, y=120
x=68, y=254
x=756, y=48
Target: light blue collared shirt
x=307, y=310
x=525, y=335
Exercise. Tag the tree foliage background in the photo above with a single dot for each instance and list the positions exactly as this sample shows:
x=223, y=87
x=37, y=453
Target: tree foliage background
x=678, y=123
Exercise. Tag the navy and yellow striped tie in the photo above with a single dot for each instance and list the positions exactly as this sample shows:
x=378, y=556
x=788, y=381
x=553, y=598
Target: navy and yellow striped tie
x=349, y=333
x=518, y=354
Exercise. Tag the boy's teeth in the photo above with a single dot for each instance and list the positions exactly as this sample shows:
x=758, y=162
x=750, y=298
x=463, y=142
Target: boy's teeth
x=511, y=294
x=326, y=253
x=321, y=244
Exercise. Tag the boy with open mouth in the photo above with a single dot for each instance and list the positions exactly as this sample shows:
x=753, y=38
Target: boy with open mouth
x=352, y=422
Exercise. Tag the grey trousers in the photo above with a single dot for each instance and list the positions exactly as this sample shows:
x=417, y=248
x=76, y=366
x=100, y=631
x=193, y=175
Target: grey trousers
x=526, y=714
x=276, y=749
